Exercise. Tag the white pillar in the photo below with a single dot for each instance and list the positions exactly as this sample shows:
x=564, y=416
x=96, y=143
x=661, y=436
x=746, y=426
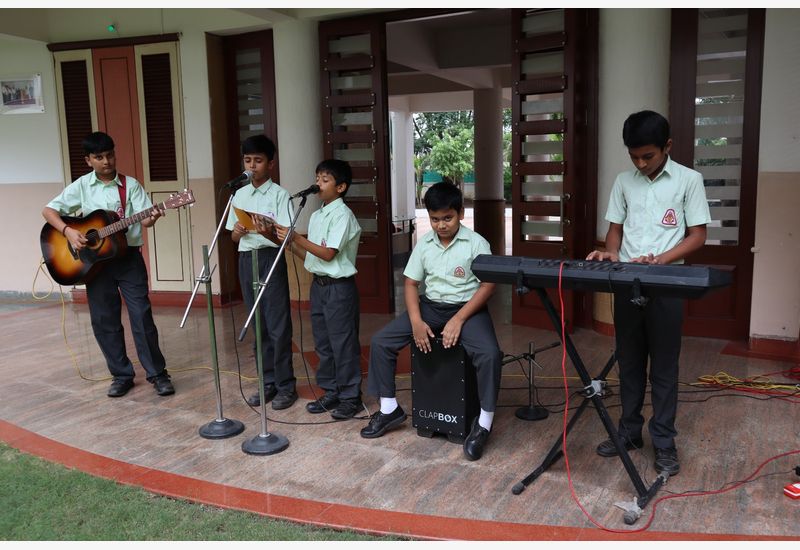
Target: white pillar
x=634, y=75
x=402, y=159
x=297, y=94
x=489, y=202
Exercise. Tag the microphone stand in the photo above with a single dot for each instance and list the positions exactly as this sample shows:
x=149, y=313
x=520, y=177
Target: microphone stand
x=220, y=427
x=531, y=412
x=265, y=443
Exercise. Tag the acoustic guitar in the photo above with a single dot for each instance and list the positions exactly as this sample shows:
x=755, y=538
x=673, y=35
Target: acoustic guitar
x=104, y=232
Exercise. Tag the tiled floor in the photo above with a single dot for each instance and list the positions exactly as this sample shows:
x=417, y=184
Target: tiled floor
x=401, y=483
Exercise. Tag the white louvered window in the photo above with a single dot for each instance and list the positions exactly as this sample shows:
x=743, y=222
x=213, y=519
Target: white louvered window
x=719, y=116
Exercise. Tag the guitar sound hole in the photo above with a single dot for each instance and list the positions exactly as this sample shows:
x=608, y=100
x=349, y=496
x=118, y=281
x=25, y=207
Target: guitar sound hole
x=93, y=241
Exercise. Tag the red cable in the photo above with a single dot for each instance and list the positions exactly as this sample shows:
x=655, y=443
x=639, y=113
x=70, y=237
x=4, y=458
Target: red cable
x=566, y=410
x=566, y=456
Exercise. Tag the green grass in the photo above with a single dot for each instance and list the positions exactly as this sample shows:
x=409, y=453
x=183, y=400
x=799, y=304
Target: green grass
x=45, y=501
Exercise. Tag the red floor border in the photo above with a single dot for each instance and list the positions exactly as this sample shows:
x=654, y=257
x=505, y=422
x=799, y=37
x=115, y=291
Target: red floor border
x=322, y=514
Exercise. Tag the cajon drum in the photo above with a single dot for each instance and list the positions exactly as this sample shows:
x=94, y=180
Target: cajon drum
x=444, y=392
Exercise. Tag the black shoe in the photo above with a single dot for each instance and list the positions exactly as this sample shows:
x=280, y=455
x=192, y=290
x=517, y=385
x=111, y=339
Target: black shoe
x=119, y=388
x=475, y=441
x=667, y=461
x=607, y=448
x=270, y=391
x=284, y=400
x=163, y=385
x=347, y=409
x=327, y=402
x=380, y=423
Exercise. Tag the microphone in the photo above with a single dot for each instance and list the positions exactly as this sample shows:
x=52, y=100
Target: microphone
x=239, y=180
x=308, y=191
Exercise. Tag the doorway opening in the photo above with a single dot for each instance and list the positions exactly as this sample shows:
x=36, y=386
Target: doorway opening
x=435, y=65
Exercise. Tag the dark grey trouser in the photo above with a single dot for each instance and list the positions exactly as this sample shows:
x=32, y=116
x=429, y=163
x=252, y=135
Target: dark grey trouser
x=126, y=275
x=276, y=319
x=652, y=331
x=335, y=323
x=477, y=338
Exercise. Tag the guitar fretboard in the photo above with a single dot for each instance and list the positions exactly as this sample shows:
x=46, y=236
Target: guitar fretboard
x=124, y=223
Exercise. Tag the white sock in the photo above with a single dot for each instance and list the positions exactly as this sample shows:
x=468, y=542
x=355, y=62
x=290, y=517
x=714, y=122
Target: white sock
x=388, y=405
x=485, y=419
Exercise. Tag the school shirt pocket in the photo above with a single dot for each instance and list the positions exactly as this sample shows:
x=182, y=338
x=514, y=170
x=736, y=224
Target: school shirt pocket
x=669, y=213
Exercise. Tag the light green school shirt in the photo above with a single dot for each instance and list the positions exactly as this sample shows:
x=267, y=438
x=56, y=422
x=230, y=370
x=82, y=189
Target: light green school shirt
x=268, y=199
x=334, y=226
x=655, y=214
x=89, y=193
x=447, y=272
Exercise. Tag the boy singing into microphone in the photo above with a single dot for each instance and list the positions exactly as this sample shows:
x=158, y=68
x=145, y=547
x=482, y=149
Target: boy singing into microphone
x=330, y=252
x=265, y=197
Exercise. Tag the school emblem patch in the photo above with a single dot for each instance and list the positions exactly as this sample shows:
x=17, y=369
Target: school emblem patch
x=669, y=217
x=323, y=243
x=459, y=272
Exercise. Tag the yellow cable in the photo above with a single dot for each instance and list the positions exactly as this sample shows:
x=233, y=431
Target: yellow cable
x=36, y=276
x=758, y=382
x=63, y=318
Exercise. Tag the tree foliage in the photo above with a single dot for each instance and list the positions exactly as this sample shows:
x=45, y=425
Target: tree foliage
x=430, y=126
x=453, y=155
x=445, y=142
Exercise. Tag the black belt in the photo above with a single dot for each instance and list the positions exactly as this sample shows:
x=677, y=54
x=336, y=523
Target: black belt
x=324, y=280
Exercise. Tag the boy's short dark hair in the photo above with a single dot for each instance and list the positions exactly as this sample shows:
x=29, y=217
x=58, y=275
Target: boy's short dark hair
x=97, y=142
x=259, y=144
x=339, y=170
x=645, y=128
x=443, y=196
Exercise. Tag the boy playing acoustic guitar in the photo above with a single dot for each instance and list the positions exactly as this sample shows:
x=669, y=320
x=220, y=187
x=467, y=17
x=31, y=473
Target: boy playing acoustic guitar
x=105, y=189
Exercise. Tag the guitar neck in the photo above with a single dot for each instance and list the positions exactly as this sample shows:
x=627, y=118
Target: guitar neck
x=124, y=223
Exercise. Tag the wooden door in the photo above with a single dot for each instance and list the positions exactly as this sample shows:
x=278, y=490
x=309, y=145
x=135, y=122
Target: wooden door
x=163, y=163
x=715, y=105
x=130, y=89
x=250, y=91
x=355, y=129
x=553, y=159
x=118, y=105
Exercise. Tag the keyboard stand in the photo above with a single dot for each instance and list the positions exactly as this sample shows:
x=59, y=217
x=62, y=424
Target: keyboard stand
x=593, y=391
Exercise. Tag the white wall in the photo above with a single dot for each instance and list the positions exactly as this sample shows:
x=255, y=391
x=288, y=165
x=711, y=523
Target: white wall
x=634, y=75
x=31, y=145
x=779, y=148
x=775, y=311
x=30, y=167
x=297, y=96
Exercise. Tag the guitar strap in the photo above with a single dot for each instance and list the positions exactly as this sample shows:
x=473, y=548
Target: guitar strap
x=122, y=194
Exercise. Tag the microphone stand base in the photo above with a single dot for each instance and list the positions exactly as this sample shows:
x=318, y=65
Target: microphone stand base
x=220, y=429
x=531, y=413
x=265, y=444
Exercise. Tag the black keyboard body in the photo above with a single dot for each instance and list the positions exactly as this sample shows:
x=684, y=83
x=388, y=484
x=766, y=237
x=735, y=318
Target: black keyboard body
x=686, y=281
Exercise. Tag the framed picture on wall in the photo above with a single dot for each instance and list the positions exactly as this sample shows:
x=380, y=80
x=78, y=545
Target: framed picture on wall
x=21, y=94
